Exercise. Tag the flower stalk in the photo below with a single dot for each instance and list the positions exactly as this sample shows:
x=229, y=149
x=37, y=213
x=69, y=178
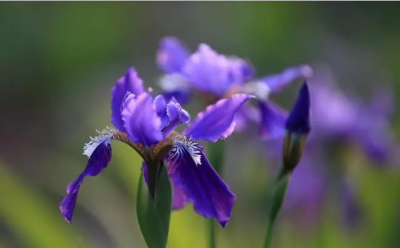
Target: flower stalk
x=297, y=129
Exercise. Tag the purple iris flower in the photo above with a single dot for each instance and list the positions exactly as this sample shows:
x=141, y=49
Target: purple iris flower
x=215, y=76
x=342, y=118
x=147, y=124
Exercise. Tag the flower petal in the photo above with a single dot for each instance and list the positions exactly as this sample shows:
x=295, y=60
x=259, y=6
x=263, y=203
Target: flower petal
x=273, y=120
x=171, y=55
x=177, y=116
x=171, y=114
x=98, y=161
x=141, y=121
x=299, y=117
x=277, y=81
x=214, y=73
x=128, y=83
x=192, y=172
x=179, y=200
x=217, y=121
x=160, y=104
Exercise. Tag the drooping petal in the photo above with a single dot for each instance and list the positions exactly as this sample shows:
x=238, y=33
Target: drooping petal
x=179, y=200
x=192, y=172
x=217, y=121
x=299, y=117
x=171, y=55
x=214, y=73
x=98, y=160
x=273, y=120
x=130, y=82
x=141, y=121
x=277, y=81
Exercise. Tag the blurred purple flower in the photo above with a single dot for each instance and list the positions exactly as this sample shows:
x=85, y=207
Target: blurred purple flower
x=339, y=119
x=343, y=118
x=147, y=124
x=216, y=76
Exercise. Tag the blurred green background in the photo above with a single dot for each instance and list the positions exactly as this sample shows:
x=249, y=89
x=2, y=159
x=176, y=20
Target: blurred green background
x=58, y=62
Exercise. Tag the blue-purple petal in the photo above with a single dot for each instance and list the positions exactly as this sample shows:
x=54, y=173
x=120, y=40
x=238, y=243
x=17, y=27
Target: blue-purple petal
x=214, y=73
x=273, y=119
x=130, y=82
x=201, y=184
x=176, y=116
x=277, y=81
x=141, y=121
x=217, y=121
x=179, y=200
x=171, y=55
x=299, y=117
x=98, y=161
x=160, y=105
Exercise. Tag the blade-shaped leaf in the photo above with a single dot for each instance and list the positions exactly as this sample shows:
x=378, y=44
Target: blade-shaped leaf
x=154, y=215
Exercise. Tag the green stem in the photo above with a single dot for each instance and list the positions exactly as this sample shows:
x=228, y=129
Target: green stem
x=212, y=242
x=152, y=176
x=278, y=197
x=216, y=157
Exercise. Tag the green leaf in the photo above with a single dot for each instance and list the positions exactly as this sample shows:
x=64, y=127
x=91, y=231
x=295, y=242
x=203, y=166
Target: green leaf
x=154, y=215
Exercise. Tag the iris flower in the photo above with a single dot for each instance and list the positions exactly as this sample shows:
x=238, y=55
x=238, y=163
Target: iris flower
x=147, y=124
x=215, y=76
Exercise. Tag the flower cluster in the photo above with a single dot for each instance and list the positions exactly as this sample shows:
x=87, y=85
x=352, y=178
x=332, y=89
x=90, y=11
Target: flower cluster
x=147, y=123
